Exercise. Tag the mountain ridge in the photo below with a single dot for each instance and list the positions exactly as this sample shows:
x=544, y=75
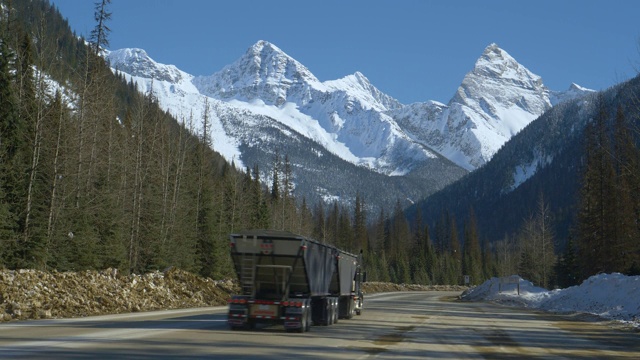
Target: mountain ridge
x=350, y=117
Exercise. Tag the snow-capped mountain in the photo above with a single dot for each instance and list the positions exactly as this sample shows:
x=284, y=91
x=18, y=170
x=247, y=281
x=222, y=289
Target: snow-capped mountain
x=267, y=100
x=347, y=116
x=496, y=100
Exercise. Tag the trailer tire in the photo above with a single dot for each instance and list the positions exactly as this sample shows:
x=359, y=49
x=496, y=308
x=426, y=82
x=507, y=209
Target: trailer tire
x=303, y=322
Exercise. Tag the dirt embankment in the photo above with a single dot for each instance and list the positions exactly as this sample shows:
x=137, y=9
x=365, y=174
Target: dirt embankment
x=31, y=294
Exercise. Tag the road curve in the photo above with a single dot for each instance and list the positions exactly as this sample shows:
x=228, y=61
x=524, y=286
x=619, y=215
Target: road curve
x=394, y=325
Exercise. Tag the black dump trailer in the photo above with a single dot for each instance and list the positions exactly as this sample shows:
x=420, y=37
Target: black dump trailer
x=292, y=280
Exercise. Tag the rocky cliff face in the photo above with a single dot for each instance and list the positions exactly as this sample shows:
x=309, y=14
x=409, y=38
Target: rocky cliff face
x=496, y=100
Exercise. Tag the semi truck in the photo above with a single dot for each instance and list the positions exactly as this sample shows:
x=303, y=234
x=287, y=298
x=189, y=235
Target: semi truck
x=292, y=280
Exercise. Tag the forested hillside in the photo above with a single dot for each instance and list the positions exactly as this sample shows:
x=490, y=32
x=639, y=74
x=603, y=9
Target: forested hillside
x=94, y=174
x=565, y=182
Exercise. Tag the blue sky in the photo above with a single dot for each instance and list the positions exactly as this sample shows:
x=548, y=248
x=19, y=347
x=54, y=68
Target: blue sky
x=413, y=50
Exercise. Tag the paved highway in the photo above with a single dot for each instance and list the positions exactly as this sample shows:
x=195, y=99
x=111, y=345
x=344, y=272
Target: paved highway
x=395, y=325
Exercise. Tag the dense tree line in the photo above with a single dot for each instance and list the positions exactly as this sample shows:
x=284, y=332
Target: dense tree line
x=607, y=229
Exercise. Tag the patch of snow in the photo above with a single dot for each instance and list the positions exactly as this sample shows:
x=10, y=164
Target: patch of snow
x=610, y=296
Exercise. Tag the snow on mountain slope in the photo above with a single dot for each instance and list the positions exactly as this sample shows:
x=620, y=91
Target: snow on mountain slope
x=264, y=72
x=574, y=91
x=347, y=116
x=358, y=85
x=496, y=100
x=350, y=117
x=176, y=94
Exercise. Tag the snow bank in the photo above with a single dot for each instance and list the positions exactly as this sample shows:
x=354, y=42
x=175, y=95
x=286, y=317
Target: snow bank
x=611, y=296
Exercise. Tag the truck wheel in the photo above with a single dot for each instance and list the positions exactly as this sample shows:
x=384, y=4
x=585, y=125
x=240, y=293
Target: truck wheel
x=308, y=328
x=303, y=322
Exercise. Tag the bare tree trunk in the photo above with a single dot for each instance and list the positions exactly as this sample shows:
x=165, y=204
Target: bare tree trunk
x=54, y=185
x=35, y=154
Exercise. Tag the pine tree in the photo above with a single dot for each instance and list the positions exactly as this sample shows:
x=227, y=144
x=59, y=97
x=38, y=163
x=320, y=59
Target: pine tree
x=400, y=235
x=275, y=175
x=489, y=266
x=455, y=267
x=595, y=221
x=472, y=255
x=10, y=165
x=567, y=268
x=626, y=246
x=319, y=226
x=100, y=34
x=360, y=224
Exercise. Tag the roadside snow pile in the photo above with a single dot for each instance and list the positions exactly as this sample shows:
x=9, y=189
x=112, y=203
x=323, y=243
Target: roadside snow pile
x=611, y=296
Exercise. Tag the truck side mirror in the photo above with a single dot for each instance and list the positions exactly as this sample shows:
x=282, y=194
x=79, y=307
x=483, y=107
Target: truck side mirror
x=364, y=277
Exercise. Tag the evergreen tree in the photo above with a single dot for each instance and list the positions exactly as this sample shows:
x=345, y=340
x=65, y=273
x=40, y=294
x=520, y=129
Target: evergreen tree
x=472, y=255
x=626, y=246
x=455, y=266
x=400, y=235
x=10, y=165
x=100, y=34
x=360, y=224
x=567, y=268
x=319, y=228
x=489, y=266
x=595, y=220
x=275, y=178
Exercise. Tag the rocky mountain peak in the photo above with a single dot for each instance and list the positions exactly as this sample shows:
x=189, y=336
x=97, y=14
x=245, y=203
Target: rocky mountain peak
x=497, y=99
x=499, y=79
x=137, y=62
x=359, y=86
x=264, y=72
x=496, y=63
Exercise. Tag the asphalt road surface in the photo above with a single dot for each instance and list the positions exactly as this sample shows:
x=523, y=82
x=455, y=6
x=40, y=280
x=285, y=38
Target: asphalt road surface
x=395, y=325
